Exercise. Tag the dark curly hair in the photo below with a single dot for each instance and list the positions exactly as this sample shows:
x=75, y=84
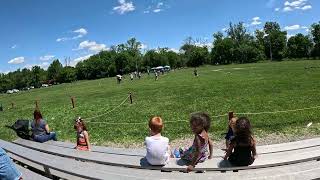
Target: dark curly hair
x=201, y=118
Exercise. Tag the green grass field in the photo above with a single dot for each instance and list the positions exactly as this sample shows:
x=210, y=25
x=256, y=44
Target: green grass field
x=256, y=87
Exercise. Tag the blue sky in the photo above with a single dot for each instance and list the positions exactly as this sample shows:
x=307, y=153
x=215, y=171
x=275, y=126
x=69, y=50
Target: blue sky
x=35, y=32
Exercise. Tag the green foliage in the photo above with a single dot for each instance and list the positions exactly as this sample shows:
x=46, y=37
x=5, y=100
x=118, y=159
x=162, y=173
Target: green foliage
x=54, y=70
x=315, y=32
x=274, y=41
x=299, y=46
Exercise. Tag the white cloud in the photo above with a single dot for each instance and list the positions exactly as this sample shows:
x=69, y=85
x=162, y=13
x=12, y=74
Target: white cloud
x=292, y=28
x=296, y=5
x=17, y=60
x=157, y=10
x=204, y=44
x=224, y=29
x=289, y=36
x=46, y=57
x=287, y=9
x=14, y=46
x=92, y=46
x=277, y=9
x=256, y=21
x=62, y=39
x=143, y=46
x=174, y=50
x=124, y=7
x=306, y=7
x=44, y=65
x=156, y=7
x=75, y=61
x=81, y=32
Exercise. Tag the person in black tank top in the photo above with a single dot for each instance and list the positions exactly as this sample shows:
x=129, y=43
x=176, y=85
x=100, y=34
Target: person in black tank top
x=242, y=149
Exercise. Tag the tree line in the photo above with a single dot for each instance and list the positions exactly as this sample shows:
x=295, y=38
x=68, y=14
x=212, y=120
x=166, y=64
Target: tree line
x=236, y=45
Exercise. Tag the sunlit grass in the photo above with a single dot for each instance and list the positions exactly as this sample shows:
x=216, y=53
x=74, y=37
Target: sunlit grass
x=256, y=87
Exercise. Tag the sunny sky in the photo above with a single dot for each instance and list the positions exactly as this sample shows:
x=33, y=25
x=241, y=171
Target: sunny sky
x=35, y=32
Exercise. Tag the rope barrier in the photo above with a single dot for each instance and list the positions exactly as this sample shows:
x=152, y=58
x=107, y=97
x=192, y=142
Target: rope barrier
x=284, y=111
x=217, y=116
x=108, y=111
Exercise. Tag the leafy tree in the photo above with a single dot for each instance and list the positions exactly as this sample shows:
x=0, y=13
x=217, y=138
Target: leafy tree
x=274, y=41
x=315, y=32
x=54, y=70
x=67, y=75
x=299, y=46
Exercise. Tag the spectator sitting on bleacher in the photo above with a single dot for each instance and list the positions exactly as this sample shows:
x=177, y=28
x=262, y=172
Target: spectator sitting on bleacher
x=158, y=150
x=7, y=168
x=40, y=129
x=199, y=151
x=83, y=142
x=243, y=145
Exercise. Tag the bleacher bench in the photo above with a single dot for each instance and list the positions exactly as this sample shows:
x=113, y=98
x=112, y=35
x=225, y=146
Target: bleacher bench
x=288, y=160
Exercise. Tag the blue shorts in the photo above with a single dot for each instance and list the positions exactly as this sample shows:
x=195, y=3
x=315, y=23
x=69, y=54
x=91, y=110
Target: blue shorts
x=7, y=169
x=229, y=134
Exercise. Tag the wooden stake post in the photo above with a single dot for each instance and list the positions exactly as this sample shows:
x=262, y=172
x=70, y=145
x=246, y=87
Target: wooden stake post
x=73, y=102
x=130, y=96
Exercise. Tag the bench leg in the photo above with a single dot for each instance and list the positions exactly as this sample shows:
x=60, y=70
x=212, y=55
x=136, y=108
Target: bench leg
x=47, y=171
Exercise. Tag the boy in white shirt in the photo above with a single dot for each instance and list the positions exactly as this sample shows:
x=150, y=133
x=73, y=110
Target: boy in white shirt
x=158, y=150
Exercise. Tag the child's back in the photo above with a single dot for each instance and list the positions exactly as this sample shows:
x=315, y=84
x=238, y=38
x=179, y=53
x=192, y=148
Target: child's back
x=157, y=150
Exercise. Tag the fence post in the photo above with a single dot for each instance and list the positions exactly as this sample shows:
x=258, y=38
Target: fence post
x=230, y=115
x=73, y=102
x=37, y=104
x=130, y=96
x=12, y=105
x=1, y=108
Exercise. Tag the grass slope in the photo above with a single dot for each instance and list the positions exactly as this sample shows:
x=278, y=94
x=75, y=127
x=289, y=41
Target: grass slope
x=256, y=87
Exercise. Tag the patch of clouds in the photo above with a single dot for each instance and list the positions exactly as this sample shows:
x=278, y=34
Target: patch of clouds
x=296, y=5
x=91, y=46
x=256, y=21
x=46, y=57
x=143, y=46
x=17, y=60
x=156, y=7
x=14, y=46
x=80, y=33
x=277, y=9
x=174, y=50
x=295, y=27
x=157, y=10
x=224, y=29
x=292, y=28
x=124, y=7
x=79, y=59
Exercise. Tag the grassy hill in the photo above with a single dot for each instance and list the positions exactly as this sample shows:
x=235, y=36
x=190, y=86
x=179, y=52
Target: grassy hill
x=260, y=87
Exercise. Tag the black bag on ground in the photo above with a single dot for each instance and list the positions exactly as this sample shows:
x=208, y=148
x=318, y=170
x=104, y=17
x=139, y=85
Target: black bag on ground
x=21, y=127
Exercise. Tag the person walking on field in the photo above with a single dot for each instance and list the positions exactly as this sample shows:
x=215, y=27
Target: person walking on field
x=139, y=75
x=195, y=72
x=156, y=75
x=131, y=76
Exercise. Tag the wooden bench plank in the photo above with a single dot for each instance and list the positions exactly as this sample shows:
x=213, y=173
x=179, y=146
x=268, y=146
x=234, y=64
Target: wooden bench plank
x=97, y=171
x=265, y=149
x=30, y=175
x=41, y=167
x=215, y=164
